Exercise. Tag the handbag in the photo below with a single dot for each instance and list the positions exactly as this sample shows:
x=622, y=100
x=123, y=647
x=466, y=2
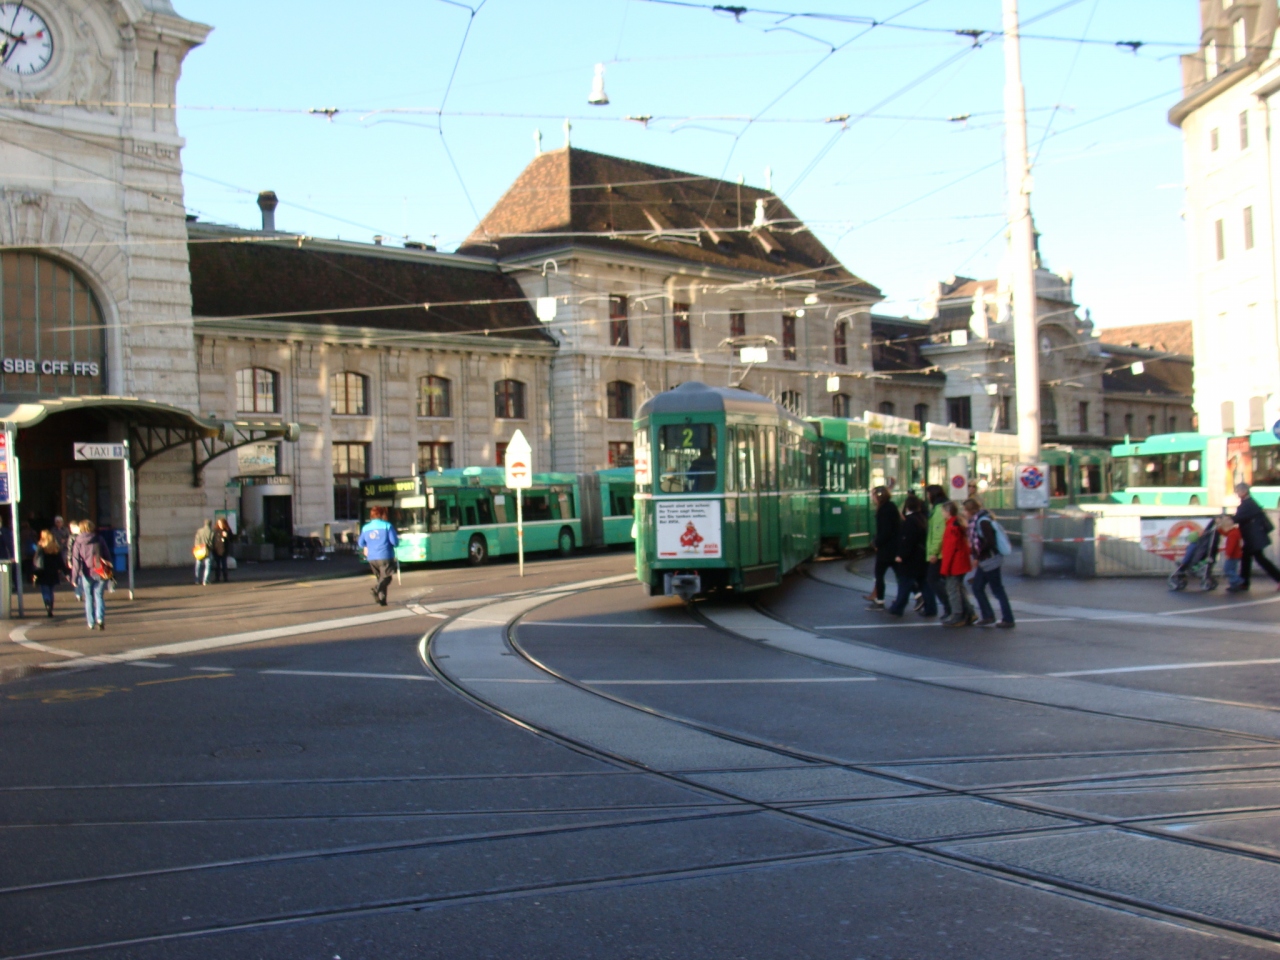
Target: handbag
x=200, y=551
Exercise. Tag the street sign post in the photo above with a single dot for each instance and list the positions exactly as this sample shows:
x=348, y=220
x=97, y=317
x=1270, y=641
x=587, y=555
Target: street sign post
x=1031, y=486
x=957, y=477
x=115, y=451
x=11, y=494
x=518, y=464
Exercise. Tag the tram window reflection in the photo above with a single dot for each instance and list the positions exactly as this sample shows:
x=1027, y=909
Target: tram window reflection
x=687, y=458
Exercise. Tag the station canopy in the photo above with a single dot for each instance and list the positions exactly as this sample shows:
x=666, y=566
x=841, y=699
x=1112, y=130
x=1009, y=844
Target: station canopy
x=154, y=428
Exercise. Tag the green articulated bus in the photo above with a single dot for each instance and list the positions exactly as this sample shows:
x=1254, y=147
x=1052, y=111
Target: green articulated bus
x=468, y=513
x=1168, y=469
x=727, y=491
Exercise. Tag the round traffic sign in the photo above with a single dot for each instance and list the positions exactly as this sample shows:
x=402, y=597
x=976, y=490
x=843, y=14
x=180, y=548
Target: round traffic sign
x=1031, y=478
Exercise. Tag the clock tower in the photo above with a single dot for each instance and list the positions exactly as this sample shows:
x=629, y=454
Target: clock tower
x=91, y=196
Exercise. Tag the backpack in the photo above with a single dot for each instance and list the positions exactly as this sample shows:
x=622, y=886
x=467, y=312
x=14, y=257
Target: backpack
x=1003, y=546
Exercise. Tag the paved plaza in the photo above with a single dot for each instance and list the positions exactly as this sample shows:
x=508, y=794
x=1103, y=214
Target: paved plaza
x=561, y=766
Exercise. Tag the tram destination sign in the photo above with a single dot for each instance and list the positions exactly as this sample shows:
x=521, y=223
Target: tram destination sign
x=101, y=451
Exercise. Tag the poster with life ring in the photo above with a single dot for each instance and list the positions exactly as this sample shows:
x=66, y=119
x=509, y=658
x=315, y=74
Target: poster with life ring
x=1168, y=536
x=688, y=529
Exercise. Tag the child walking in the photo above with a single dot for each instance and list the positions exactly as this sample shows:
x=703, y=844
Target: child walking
x=954, y=566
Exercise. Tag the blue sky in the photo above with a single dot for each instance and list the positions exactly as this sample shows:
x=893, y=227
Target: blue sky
x=904, y=196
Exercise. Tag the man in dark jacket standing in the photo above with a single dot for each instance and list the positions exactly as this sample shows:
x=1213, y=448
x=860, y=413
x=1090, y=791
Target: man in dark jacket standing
x=1255, y=536
x=910, y=565
x=888, y=521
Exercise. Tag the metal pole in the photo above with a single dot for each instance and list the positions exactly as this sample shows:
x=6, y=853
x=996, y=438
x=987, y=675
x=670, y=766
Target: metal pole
x=1022, y=275
x=520, y=527
x=15, y=491
x=127, y=464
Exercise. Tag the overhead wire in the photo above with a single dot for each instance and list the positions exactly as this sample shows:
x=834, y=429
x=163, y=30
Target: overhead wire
x=471, y=19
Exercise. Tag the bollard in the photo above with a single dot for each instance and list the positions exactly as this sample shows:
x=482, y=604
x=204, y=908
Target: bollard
x=6, y=589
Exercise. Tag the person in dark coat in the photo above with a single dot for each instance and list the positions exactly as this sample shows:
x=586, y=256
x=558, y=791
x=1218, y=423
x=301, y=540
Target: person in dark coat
x=909, y=563
x=888, y=520
x=1255, y=536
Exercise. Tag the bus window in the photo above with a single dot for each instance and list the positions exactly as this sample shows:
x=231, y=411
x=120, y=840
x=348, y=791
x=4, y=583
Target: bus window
x=484, y=510
x=537, y=505
x=565, y=502
x=687, y=458
x=409, y=515
x=730, y=474
x=917, y=467
x=1266, y=466
x=621, y=503
x=445, y=514
x=499, y=502
x=879, y=478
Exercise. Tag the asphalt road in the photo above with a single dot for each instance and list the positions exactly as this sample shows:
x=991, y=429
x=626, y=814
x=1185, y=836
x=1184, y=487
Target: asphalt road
x=564, y=767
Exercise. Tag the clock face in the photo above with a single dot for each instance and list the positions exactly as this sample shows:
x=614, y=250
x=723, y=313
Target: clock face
x=26, y=45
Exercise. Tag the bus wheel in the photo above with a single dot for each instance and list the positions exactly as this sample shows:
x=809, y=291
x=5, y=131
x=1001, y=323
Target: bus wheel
x=566, y=541
x=477, y=551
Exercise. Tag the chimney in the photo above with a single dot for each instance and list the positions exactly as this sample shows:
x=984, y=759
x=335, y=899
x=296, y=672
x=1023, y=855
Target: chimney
x=267, y=203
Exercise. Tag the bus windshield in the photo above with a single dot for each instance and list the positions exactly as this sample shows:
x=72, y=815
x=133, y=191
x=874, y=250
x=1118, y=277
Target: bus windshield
x=687, y=458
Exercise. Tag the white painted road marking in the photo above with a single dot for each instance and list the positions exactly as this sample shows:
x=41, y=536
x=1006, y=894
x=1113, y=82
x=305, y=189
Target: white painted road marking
x=579, y=623
x=342, y=673
x=690, y=683
x=1148, y=668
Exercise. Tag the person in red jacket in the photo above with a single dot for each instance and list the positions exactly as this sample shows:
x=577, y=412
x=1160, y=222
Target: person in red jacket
x=1232, y=550
x=954, y=566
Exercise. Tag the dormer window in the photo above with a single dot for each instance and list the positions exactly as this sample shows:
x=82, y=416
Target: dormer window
x=1239, y=41
x=1210, y=60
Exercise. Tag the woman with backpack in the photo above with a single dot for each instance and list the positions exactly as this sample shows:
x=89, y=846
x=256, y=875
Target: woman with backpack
x=988, y=558
x=91, y=570
x=888, y=522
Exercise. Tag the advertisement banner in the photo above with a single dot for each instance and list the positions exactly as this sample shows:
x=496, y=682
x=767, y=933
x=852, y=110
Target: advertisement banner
x=1239, y=463
x=1168, y=536
x=688, y=529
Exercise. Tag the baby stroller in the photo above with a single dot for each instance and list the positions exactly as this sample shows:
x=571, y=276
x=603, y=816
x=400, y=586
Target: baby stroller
x=1198, y=561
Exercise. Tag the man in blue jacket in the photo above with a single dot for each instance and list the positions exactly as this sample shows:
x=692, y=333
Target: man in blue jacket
x=378, y=541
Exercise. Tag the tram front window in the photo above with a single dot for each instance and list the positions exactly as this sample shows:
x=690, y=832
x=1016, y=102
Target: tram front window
x=687, y=458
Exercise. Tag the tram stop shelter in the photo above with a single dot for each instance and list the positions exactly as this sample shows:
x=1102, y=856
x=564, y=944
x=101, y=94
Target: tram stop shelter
x=168, y=449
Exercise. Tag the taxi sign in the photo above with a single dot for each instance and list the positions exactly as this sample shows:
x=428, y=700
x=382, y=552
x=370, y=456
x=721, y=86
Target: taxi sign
x=1031, y=486
x=518, y=463
x=101, y=451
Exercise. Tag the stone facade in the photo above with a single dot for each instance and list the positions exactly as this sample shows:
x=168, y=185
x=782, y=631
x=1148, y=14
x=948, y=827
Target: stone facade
x=1226, y=115
x=91, y=178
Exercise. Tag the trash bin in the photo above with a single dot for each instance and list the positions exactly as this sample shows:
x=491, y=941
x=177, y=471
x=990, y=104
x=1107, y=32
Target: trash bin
x=119, y=552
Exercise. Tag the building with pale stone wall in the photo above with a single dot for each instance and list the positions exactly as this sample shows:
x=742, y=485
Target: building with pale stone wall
x=96, y=300
x=1226, y=115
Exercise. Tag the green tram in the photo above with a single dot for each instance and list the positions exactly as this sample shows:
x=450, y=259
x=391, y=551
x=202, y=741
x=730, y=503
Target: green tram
x=468, y=513
x=727, y=491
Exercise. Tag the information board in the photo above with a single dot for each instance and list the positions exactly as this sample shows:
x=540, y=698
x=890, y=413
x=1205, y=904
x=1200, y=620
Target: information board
x=1031, y=486
x=688, y=529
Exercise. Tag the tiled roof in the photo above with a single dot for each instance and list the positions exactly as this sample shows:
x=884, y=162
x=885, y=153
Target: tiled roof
x=573, y=196
x=239, y=279
x=1171, y=377
x=1172, y=337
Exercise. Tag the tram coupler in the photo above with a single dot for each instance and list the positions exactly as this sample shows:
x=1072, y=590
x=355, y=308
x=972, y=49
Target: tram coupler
x=686, y=586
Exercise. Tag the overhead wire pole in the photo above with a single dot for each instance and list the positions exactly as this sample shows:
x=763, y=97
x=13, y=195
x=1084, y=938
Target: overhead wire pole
x=1022, y=276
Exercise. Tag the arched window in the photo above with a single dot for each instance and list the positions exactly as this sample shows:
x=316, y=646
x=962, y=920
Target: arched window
x=886, y=407
x=257, y=390
x=349, y=394
x=433, y=396
x=840, y=404
x=621, y=400
x=508, y=400
x=792, y=401
x=52, y=329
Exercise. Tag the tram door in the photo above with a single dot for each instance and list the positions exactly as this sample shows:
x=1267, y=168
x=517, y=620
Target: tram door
x=746, y=464
x=768, y=488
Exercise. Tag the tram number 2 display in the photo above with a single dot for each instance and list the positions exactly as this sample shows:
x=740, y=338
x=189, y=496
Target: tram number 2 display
x=688, y=529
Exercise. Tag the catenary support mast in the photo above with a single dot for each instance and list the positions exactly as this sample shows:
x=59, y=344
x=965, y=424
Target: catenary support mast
x=1022, y=278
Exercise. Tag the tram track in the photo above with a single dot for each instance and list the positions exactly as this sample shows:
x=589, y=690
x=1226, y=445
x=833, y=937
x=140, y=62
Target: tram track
x=928, y=848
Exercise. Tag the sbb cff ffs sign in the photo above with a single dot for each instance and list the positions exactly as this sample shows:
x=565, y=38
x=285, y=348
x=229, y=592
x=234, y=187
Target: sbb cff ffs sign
x=50, y=368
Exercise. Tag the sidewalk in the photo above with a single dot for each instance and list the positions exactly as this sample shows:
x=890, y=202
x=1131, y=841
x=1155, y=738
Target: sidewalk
x=282, y=571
